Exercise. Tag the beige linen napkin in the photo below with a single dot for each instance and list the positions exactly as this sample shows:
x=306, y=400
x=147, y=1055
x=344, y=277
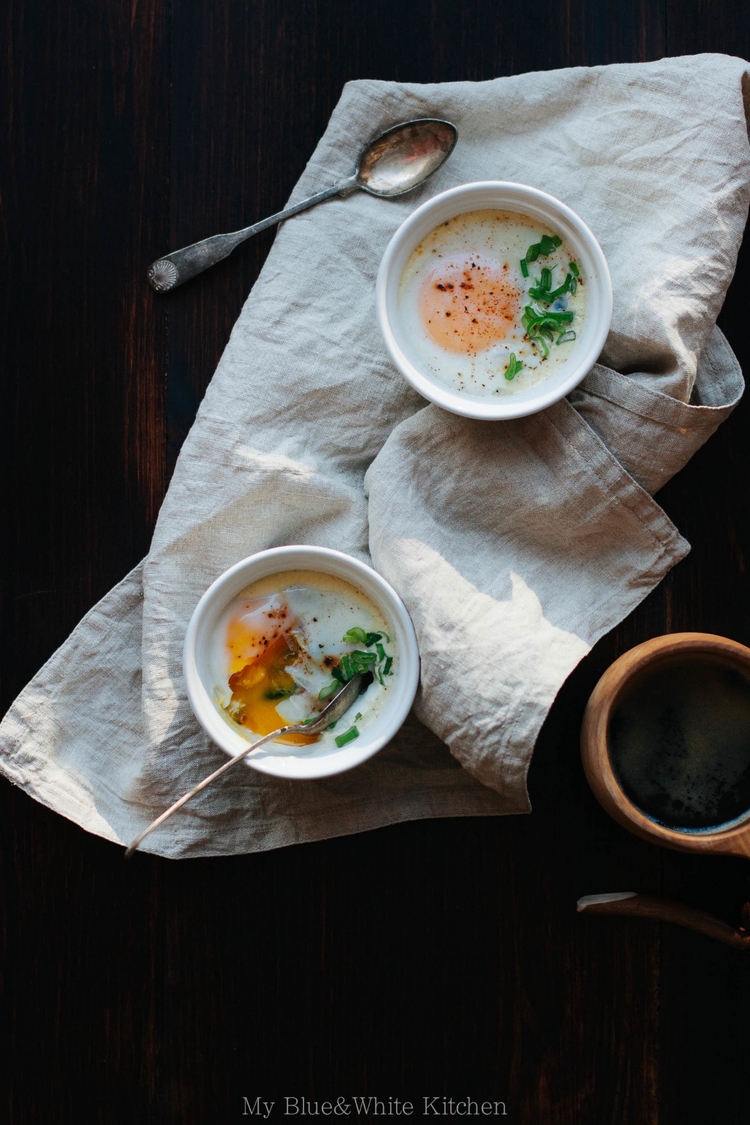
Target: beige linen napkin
x=514, y=545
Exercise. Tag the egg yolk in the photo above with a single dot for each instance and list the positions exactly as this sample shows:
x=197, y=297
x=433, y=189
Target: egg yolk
x=260, y=685
x=251, y=631
x=466, y=305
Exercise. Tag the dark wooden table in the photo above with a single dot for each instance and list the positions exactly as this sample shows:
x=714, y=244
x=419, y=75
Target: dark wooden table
x=437, y=958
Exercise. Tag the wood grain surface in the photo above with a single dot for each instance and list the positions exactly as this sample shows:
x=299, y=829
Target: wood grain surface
x=438, y=958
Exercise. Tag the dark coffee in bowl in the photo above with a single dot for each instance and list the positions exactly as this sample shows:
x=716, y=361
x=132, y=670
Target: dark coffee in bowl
x=679, y=742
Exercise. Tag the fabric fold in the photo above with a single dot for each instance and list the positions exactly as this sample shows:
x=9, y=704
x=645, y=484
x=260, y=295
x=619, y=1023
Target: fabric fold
x=514, y=545
x=633, y=420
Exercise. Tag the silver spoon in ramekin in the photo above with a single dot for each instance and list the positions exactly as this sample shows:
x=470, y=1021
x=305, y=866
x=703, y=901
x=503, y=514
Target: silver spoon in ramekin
x=393, y=163
x=331, y=713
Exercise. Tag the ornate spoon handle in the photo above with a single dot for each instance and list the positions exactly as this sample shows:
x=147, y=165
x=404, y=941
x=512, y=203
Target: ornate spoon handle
x=174, y=269
x=331, y=713
x=294, y=729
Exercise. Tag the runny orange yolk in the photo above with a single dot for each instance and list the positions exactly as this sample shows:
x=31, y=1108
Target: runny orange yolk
x=260, y=685
x=468, y=304
x=248, y=633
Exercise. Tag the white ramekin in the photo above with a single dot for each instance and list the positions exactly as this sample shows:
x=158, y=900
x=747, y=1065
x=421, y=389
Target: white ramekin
x=553, y=214
x=301, y=761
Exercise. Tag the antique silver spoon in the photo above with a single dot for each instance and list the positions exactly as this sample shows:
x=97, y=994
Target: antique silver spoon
x=393, y=163
x=331, y=713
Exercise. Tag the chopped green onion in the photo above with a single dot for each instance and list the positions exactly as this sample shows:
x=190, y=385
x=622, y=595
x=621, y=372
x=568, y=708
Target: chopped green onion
x=358, y=636
x=542, y=248
x=352, y=663
x=524, y=268
x=561, y=290
x=572, y=266
x=566, y=337
x=541, y=292
x=355, y=637
x=544, y=326
x=347, y=736
x=514, y=366
x=358, y=716
x=532, y=317
x=358, y=662
x=280, y=693
x=547, y=244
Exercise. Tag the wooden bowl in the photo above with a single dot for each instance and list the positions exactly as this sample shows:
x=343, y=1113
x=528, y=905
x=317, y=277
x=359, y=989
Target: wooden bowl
x=730, y=839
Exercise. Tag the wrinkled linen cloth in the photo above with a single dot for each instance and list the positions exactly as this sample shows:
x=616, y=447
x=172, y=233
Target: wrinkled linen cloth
x=514, y=545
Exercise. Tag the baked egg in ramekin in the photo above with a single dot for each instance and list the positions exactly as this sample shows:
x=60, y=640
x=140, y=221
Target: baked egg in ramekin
x=494, y=300
x=276, y=636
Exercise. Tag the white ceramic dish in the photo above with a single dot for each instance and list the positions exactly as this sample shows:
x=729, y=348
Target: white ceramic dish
x=301, y=761
x=498, y=195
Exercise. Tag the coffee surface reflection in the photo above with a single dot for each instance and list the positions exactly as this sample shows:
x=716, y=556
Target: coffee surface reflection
x=679, y=743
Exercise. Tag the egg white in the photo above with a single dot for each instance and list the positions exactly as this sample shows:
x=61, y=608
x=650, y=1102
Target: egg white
x=502, y=237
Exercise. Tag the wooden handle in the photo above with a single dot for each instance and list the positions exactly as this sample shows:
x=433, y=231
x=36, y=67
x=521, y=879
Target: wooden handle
x=664, y=910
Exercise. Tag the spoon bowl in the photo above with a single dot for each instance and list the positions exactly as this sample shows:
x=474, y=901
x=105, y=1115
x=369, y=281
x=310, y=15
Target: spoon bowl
x=403, y=157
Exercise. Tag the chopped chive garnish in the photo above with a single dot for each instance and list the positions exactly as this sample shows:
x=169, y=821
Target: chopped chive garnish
x=358, y=636
x=542, y=292
x=561, y=289
x=542, y=248
x=347, y=736
x=358, y=716
x=531, y=317
x=378, y=664
x=542, y=326
x=514, y=366
x=355, y=637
